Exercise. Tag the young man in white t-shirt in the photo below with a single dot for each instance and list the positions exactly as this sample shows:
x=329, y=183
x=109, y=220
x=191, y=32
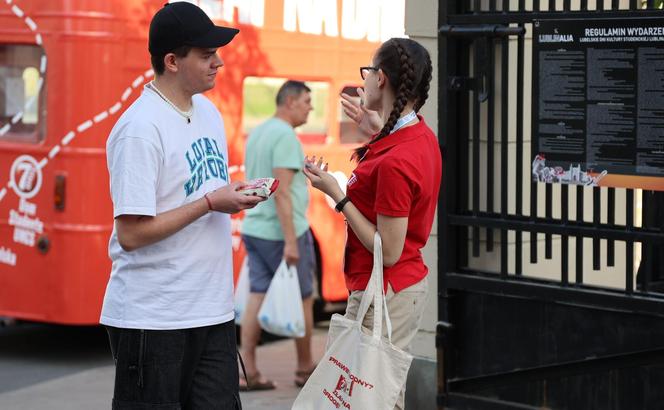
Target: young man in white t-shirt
x=168, y=306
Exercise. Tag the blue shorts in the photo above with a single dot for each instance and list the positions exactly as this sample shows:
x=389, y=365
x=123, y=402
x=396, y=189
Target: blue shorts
x=266, y=255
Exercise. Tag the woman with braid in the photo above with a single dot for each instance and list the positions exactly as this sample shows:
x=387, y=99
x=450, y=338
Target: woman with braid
x=393, y=189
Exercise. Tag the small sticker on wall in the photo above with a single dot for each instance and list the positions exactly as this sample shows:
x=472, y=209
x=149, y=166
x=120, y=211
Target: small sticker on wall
x=7, y=256
x=25, y=222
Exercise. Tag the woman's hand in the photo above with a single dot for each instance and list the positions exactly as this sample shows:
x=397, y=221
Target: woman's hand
x=320, y=179
x=367, y=120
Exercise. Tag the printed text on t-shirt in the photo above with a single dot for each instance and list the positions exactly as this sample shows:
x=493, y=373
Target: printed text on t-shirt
x=205, y=161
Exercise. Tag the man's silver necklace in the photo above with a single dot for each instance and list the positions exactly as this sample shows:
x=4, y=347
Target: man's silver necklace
x=186, y=114
x=403, y=121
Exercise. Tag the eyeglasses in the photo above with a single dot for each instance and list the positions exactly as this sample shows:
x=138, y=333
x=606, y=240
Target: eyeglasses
x=365, y=70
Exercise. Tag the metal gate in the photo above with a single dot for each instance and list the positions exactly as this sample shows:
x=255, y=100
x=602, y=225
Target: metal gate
x=550, y=296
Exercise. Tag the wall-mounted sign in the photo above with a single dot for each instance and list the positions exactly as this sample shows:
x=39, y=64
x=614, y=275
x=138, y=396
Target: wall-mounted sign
x=598, y=102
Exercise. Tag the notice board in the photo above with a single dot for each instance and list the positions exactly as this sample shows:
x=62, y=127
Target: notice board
x=598, y=102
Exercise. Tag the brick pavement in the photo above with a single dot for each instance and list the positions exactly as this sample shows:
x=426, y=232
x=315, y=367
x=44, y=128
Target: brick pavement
x=276, y=361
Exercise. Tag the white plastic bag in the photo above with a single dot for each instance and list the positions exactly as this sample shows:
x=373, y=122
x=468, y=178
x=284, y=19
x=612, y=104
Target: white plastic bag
x=281, y=312
x=241, y=291
x=359, y=370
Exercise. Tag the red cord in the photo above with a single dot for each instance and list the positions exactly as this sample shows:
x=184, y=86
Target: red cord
x=208, y=201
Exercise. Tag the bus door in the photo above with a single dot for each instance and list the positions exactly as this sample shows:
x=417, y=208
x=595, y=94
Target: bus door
x=22, y=131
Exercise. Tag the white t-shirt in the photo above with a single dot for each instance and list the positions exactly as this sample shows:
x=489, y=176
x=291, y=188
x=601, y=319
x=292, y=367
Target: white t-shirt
x=158, y=162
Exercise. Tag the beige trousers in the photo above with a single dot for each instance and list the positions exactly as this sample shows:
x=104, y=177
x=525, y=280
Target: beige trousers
x=405, y=309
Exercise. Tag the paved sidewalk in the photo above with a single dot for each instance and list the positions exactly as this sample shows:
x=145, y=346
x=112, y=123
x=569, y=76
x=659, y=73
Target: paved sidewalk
x=277, y=362
x=93, y=389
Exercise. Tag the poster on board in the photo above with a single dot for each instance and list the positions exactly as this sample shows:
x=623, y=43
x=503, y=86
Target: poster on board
x=598, y=102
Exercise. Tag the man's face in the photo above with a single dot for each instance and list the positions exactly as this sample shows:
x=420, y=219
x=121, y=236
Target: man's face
x=300, y=107
x=198, y=70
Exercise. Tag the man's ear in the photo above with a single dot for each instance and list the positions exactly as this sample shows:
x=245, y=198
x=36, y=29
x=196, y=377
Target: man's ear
x=290, y=100
x=170, y=62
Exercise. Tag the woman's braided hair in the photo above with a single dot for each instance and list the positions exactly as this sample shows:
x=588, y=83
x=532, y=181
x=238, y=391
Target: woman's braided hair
x=407, y=66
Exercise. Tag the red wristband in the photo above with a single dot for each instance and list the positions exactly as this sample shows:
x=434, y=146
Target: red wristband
x=208, y=202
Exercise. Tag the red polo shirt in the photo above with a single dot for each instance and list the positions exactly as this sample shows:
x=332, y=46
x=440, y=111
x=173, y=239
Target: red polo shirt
x=399, y=176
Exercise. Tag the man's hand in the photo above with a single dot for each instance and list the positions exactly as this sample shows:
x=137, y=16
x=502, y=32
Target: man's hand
x=228, y=200
x=291, y=253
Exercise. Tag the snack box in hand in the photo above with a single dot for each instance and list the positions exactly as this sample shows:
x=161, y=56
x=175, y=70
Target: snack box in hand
x=260, y=186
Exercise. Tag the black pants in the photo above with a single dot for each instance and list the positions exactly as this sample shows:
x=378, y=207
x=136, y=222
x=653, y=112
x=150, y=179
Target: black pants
x=175, y=369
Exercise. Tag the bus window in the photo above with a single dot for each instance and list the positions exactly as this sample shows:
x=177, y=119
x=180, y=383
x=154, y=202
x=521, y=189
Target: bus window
x=349, y=133
x=259, y=94
x=21, y=94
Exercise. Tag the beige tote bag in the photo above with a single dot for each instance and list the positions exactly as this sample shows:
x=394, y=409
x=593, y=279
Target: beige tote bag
x=359, y=371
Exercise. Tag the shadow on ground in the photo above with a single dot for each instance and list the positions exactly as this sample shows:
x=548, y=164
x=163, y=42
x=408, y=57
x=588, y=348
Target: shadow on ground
x=31, y=353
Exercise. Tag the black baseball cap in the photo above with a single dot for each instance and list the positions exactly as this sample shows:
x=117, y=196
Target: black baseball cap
x=185, y=24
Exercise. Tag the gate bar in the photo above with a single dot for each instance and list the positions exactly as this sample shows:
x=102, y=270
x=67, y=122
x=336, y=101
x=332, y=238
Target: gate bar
x=518, y=258
x=629, y=257
x=597, y=211
x=567, y=369
x=504, y=153
x=484, y=30
x=579, y=238
x=490, y=141
x=527, y=17
x=477, y=73
x=542, y=225
x=611, y=221
x=651, y=305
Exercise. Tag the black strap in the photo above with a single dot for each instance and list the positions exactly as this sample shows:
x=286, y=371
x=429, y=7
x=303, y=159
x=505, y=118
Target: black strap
x=340, y=205
x=141, y=354
x=244, y=371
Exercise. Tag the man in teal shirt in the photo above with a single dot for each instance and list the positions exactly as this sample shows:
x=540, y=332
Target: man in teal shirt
x=278, y=229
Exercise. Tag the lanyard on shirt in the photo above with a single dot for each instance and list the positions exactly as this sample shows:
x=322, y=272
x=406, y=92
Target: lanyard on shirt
x=400, y=123
x=403, y=121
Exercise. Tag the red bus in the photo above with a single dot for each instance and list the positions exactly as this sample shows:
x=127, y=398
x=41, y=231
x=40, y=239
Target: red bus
x=68, y=68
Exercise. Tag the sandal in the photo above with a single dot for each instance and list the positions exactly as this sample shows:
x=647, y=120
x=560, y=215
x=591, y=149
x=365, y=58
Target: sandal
x=254, y=383
x=301, y=376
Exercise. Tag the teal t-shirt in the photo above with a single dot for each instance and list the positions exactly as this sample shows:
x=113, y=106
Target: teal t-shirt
x=274, y=144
